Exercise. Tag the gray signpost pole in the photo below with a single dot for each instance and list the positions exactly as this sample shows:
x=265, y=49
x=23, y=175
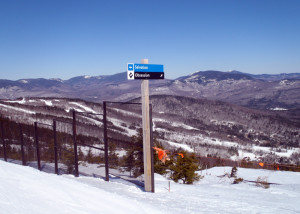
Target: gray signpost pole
x=148, y=176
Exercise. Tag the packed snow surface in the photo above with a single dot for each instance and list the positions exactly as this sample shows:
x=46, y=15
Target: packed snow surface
x=26, y=190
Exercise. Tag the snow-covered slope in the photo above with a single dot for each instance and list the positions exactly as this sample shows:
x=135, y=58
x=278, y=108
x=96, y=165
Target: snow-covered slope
x=29, y=191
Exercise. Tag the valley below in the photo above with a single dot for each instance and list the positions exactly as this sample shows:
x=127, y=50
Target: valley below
x=208, y=128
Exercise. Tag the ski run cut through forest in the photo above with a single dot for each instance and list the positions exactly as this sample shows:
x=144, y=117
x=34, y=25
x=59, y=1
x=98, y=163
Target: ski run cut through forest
x=28, y=191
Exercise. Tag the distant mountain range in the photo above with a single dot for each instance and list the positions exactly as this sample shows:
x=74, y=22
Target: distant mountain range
x=272, y=77
x=265, y=91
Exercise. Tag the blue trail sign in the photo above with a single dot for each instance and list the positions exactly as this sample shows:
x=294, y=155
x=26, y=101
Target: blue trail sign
x=145, y=71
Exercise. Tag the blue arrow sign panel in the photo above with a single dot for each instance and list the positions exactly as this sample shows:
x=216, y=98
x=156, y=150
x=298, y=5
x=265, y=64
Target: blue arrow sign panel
x=148, y=68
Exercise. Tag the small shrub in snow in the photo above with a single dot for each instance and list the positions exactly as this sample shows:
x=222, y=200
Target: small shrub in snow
x=238, y=180
x=233, y=172
x=233, y=175
x=262, y=182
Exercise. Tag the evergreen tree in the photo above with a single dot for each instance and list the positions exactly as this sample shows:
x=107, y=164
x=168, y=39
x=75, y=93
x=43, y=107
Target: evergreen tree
x=80, y=154
x=113, y=158
x=68, y=160
x=129, y=160
x=134, y=160
x=184, y=168
x=89, y=156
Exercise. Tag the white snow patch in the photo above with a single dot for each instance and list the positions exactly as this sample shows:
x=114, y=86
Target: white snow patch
x=121, y=153
x=17, y=101
x=179, y=145
x=175, y=124
x=17, y=109
x=57, y=79
x=85, y=108
x=85, y=149
x=278, y=109
x=24, y=81
x=70, y=108
x=243, y=154
x=182, y=125
x=222, y=122
x=287, y=153
x=118, y=123
x=128, y=113
x=283, y=82
x=213, y=141
x=47, y=102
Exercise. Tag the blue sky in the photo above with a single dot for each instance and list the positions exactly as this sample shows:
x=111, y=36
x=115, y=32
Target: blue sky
x=63, y=39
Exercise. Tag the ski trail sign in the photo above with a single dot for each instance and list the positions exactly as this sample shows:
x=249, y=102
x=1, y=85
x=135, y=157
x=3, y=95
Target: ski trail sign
x=144, y=71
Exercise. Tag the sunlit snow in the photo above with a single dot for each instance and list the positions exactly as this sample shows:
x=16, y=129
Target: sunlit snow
x=28, y=191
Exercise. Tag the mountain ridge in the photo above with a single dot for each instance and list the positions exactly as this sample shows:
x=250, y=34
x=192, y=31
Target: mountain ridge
x=254, y=91
x=279, y=76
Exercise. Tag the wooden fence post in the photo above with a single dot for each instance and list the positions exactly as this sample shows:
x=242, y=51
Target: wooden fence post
x=22, y=145
x=146, y=136
x=75, y=144
x=3, y=142
x=105, y=142
x=55, y=147
x=37, y=146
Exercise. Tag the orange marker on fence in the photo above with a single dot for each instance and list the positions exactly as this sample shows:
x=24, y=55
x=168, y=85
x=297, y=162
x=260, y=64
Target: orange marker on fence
x=180, y=154
x=162, y=154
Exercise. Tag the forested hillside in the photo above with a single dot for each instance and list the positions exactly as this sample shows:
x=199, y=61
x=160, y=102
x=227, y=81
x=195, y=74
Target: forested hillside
x=212, y=128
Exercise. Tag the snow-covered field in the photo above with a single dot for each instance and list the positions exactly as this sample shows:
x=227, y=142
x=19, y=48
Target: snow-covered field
x=28, y=191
